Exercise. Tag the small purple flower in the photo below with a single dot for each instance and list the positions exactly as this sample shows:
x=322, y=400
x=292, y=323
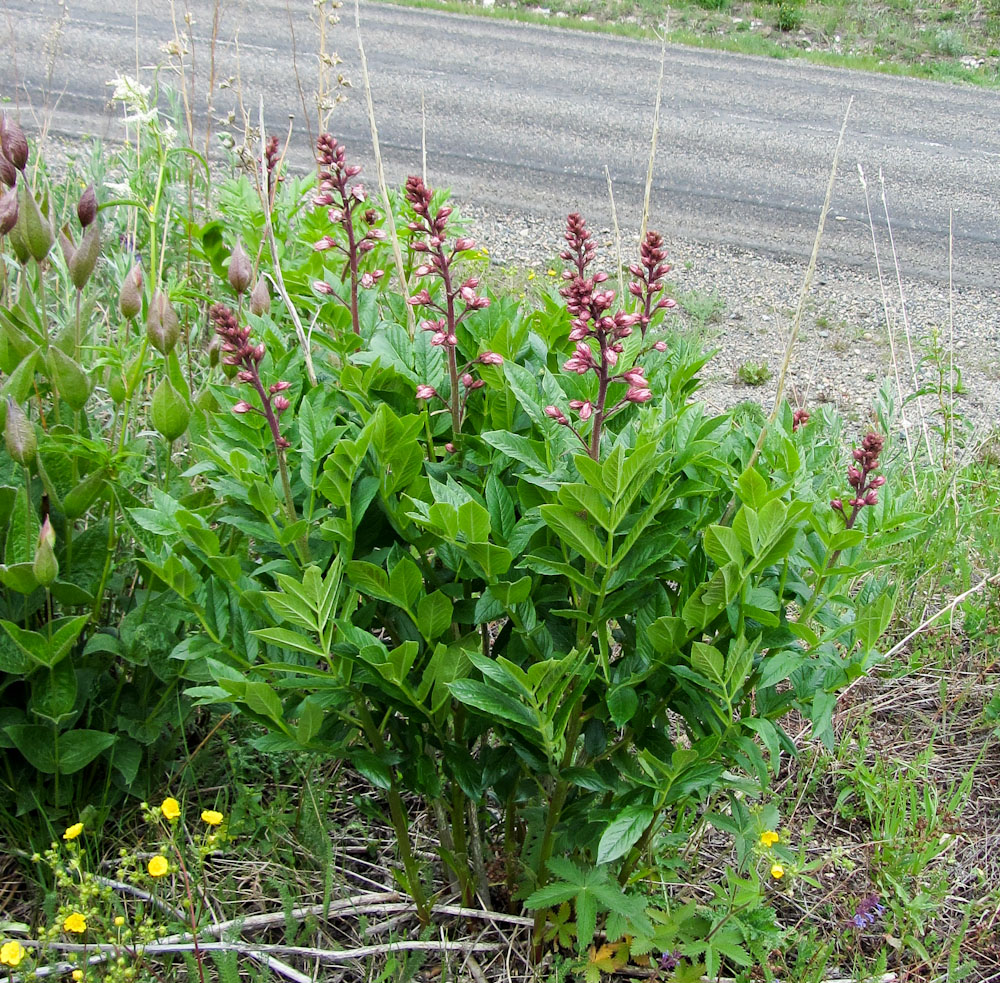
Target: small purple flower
x=670, y=960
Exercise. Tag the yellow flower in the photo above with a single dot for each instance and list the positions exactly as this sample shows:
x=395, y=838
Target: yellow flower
x=77, y=975
x=170, y=808
x=75, y=923
x=119, y=921
x=11, y=953
x=73, y=832
x=531, y=274
x=212, y=817
x=550, y=272
x=777, y=871
x=157, y=866
x=768, y=838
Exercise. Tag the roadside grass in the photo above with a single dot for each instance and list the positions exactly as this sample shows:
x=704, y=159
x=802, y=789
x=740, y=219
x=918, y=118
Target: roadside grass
x=950, y=40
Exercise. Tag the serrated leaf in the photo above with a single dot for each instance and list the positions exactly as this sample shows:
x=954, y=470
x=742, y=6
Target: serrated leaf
x=623, y=833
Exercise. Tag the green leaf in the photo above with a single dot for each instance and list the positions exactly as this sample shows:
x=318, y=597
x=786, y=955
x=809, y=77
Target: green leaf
x=551, y=895
x=492, y=702
x=518, y=448
x=434, y=614
x=752, y=488
x=22, y=533
x=622, y=704
x=48, y=649
x=722, y=545
x=77, y=748
x=624, y=832
x=575, y=531
x=501, y=508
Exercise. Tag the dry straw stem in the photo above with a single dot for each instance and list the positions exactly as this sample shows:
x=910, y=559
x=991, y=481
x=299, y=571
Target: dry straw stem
x=797, y=321
x=906, y=320
x=888, y=324
x=618, y=237
x=277, y=278
x=380, y=170
x=656, y=130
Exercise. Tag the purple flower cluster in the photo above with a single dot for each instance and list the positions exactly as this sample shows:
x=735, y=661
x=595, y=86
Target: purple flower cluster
x=648, y=282
x=862, y=478
x=599, y=331
x=869, y=910
x=240, y=352
x=345, y=200
x=456, y=300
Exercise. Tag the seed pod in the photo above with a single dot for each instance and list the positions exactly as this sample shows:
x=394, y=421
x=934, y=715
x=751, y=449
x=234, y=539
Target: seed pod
x=46, y=566
x=8, y=173
x=17, y=243
x=34, y=228
x=86, y=207
x=214, y=351
x=240, y=270
x=69, y=379
x=84, y=494
x=130, y=296
x=13, y=143
x=116, y=386
x=67, y=246
x=162, y=327
x=8, y=211
x=83, y=261
x=19, y=434
x=260, y=298
x=169, y=412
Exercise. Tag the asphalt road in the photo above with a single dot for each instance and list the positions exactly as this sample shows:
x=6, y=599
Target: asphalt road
x=523, y=119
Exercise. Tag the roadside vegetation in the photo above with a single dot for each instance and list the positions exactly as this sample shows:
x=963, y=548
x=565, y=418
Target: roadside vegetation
x=948, y=40
x=370, y=613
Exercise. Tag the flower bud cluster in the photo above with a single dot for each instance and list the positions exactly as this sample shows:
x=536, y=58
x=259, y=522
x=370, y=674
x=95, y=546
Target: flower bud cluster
x=429, y=230
x=272, y=161
x=648, y=282
x=599, y=330
x=239, y=351
x=346, y=204
x=862, y=478
x=800, y=417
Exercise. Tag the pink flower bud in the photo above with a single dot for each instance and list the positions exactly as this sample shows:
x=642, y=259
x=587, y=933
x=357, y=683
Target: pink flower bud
x=323, y=199
x=600, y=277
x=837, y=504
x=610, y=356
x=322, y=287
x=871, y=498
x=878, y=481
x=376, y=234
x=366, y=246
x=556, y=414
x=467, y=380
x=637, y=394
x=321, y=245
x=586, y=411
x=335, y=215
x=450, y=447
x=280, y=404
x=242, y=407
x=667, y=302
x=426, y=392
x=438, y=338
x=423, y=297
x=635, y=288
x=279, y=387
x=491, y=358
x=422, y=270
x=352, y=170
x=462, y=244
x=367, y=281
x=660, y=346
x=452, y=340
x=358, y=192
